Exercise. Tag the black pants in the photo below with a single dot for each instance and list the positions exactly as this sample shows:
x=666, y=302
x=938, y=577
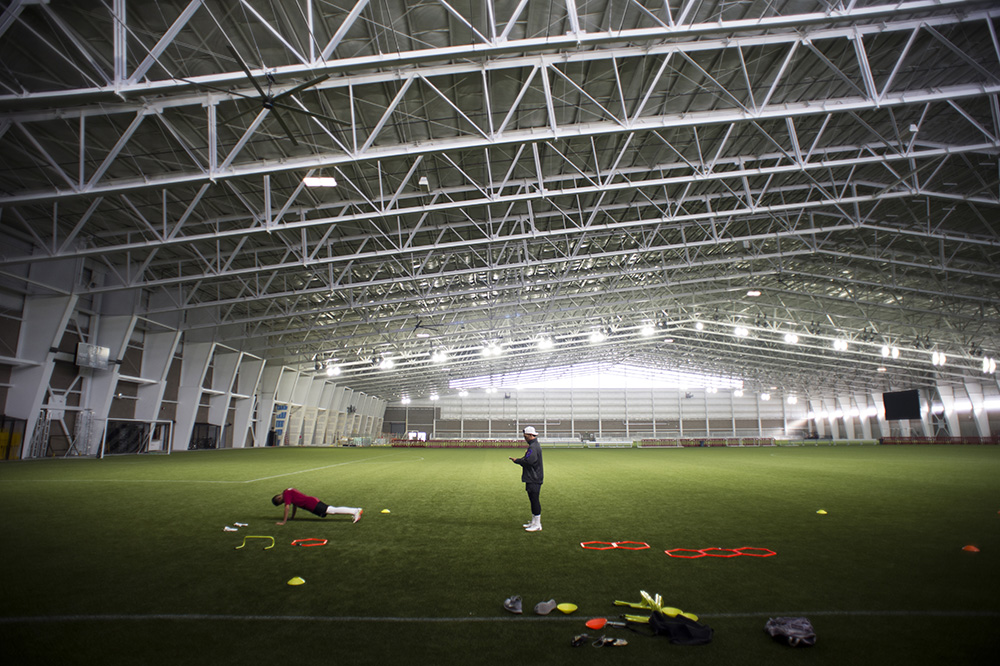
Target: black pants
x=534, y=489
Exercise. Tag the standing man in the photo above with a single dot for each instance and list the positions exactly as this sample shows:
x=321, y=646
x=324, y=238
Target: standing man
x=532, y=476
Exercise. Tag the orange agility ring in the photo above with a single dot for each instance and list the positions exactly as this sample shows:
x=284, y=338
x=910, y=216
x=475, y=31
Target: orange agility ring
x=636, y=545
x=608, y=545
x=309, y=543
x=763, y=552
x=685, y=550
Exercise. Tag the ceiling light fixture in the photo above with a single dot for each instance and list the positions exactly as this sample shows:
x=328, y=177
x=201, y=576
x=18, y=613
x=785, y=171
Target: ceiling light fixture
x=989, y=365
x=938, y=358
x=647, y=330
x=791, y=338
x=741, y=332
x=840, y=345
x=492, y=349
x=319, y=181
x=753, y=293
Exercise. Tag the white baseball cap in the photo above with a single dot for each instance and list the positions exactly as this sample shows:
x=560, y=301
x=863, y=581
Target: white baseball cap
x=530, y=430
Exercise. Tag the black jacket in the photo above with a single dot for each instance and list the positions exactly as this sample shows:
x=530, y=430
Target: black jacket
x=531, y=463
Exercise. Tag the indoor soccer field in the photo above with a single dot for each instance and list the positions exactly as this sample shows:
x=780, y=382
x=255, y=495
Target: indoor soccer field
x=127, y=559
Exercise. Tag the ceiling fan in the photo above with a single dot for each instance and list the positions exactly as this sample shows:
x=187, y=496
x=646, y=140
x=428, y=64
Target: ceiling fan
x=273, y=102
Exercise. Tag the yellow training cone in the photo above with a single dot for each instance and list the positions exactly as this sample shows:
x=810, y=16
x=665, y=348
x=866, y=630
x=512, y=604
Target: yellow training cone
x=821, y=512
x=385, y=510
x=296, y=581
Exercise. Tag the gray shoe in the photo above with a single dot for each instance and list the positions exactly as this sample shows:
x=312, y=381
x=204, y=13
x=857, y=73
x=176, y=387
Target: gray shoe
x=545, y=607
x=513, y=604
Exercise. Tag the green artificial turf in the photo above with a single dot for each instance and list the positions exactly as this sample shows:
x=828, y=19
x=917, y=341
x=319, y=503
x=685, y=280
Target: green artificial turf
x=125, y=560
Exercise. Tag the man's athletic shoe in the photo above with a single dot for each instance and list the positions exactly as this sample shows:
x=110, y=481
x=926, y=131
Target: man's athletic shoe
x=357, y=514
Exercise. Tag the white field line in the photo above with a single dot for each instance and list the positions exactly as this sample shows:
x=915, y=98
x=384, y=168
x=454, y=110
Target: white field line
x=316, y=469
x=213, y=481
x=200, y=617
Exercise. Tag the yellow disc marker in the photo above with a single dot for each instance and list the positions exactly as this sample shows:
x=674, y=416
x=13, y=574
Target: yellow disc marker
x=821, y=512
x=385, y=510
x=296, y=581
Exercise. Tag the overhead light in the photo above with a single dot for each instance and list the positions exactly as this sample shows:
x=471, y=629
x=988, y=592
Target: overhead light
x=434, y=396
x=741, y=332
x=463, y=393
x=938, y=358
x=332, y=370
x=423, y=334
x=597, y=336
x=882, y=368
x=492, y=349
x=387, y=363
x=647, y=330
x=405, y=401
x=840, y=345
x=753, y=293
x=738, y=393
x=989, y=365
x=791, y=338
x=765, y=396
x=439, y=356
x=699, y=326
x=545, y=343
x=792, y=400
x=424, y=183
x=319, y=181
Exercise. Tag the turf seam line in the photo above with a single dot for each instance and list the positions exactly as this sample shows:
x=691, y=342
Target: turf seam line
x=361, y=618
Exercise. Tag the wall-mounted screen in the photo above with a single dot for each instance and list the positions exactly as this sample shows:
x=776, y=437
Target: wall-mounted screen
x=92, y=356
x=901, y=405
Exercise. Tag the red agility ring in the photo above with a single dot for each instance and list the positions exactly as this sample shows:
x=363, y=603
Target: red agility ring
x=608, y=545
x=765, y=552
x=732, y=552
x=309, y=543
x=637, y=545
x=685, y=550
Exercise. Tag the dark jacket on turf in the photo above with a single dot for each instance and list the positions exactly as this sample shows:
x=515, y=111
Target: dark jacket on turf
x=531, y=463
